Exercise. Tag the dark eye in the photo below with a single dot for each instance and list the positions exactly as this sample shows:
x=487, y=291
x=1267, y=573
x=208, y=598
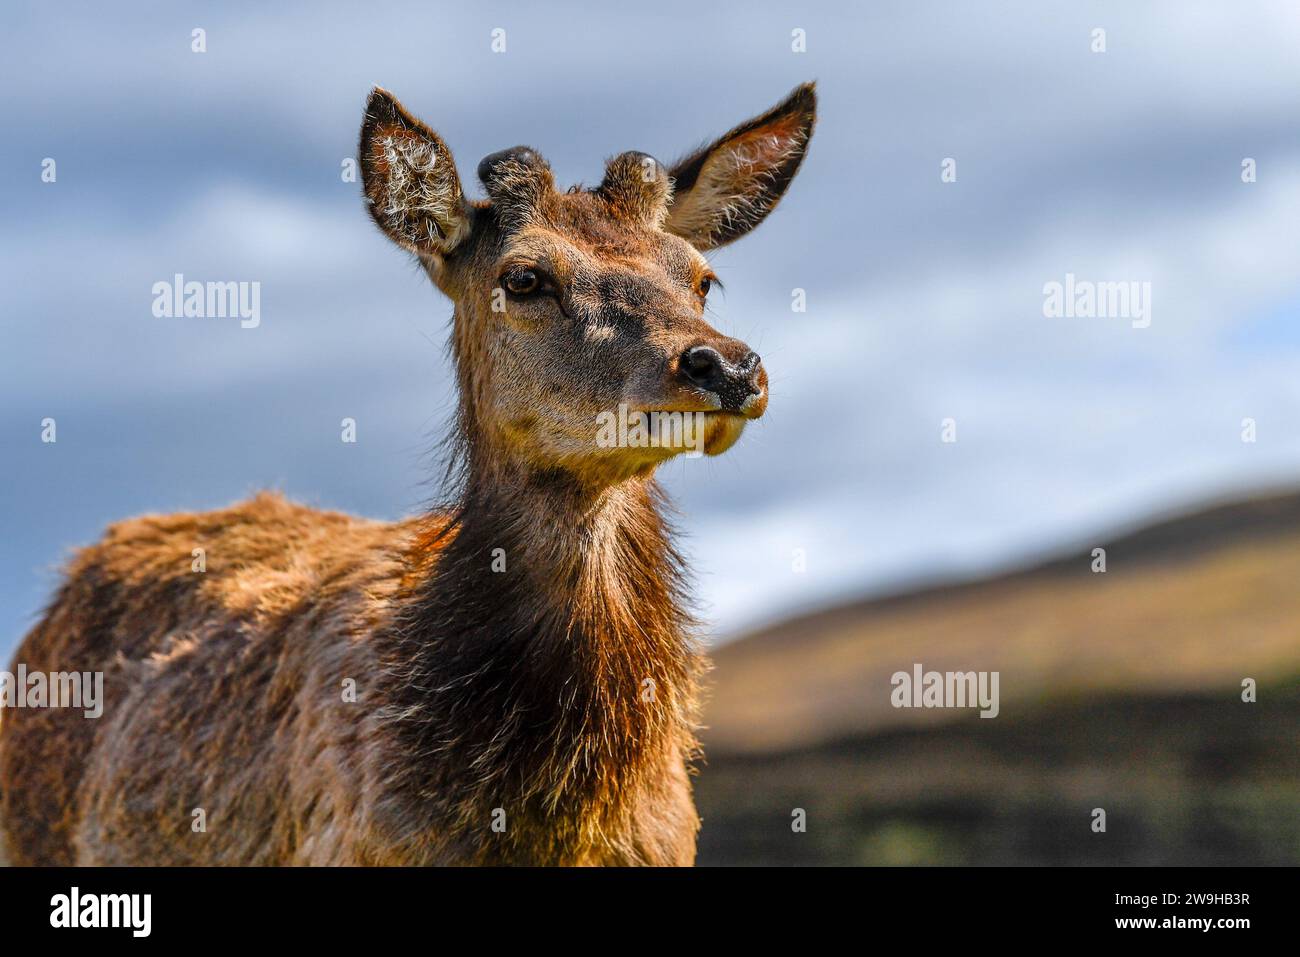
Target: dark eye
x=705, y=285
x=522, y=282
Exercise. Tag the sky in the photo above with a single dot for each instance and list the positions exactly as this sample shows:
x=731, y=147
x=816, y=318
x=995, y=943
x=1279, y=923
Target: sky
x=924, y=315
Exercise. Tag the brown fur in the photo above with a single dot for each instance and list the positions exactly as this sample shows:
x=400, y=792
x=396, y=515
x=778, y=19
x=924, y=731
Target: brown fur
x=560, y=691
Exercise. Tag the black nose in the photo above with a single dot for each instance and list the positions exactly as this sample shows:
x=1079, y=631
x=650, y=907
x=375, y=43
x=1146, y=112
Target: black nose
x=703, y=366
x=732, y=383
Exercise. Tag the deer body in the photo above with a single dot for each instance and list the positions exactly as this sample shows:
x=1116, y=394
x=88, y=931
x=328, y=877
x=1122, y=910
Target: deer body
x=513, y=680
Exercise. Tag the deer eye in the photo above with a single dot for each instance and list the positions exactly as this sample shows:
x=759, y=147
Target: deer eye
x=705, y=285
x=521, y=282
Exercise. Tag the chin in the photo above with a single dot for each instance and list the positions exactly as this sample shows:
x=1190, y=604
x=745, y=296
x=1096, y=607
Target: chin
x=721, y=431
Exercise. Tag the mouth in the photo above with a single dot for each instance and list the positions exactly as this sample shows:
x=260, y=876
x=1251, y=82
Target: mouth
x=708, y=404
x=695, y=424
x=710, y=431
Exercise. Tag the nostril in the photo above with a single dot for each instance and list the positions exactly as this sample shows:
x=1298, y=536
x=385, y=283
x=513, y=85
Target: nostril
x=702, y=365
x=749, y=367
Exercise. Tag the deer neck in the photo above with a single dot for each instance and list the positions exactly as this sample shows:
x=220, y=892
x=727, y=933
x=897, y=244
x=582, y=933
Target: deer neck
x=546, y=654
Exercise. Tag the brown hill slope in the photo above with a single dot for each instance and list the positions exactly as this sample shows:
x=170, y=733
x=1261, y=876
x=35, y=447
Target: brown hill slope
x=1196, y=602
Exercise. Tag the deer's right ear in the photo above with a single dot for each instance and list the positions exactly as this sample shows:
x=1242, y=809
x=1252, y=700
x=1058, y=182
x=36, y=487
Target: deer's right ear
x=410, y=181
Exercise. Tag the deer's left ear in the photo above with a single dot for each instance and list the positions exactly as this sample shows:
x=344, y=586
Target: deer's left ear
x=724, y=190
x=412, y=189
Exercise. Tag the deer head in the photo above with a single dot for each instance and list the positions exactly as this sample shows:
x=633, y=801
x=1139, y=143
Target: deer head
x=572, y=304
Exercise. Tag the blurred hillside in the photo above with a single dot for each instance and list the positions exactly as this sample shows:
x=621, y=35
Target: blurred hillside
x=1118, y=690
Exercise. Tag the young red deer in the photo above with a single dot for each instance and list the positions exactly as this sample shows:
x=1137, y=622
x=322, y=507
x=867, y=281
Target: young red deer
x=524, y=668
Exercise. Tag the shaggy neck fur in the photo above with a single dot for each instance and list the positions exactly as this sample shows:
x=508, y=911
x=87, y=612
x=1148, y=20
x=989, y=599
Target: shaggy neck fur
x=544, y=665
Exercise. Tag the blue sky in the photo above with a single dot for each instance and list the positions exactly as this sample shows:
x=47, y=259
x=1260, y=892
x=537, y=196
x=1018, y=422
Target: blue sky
x=924, y=298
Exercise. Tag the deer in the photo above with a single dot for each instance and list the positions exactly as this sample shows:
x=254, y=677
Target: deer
x=511, y=678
